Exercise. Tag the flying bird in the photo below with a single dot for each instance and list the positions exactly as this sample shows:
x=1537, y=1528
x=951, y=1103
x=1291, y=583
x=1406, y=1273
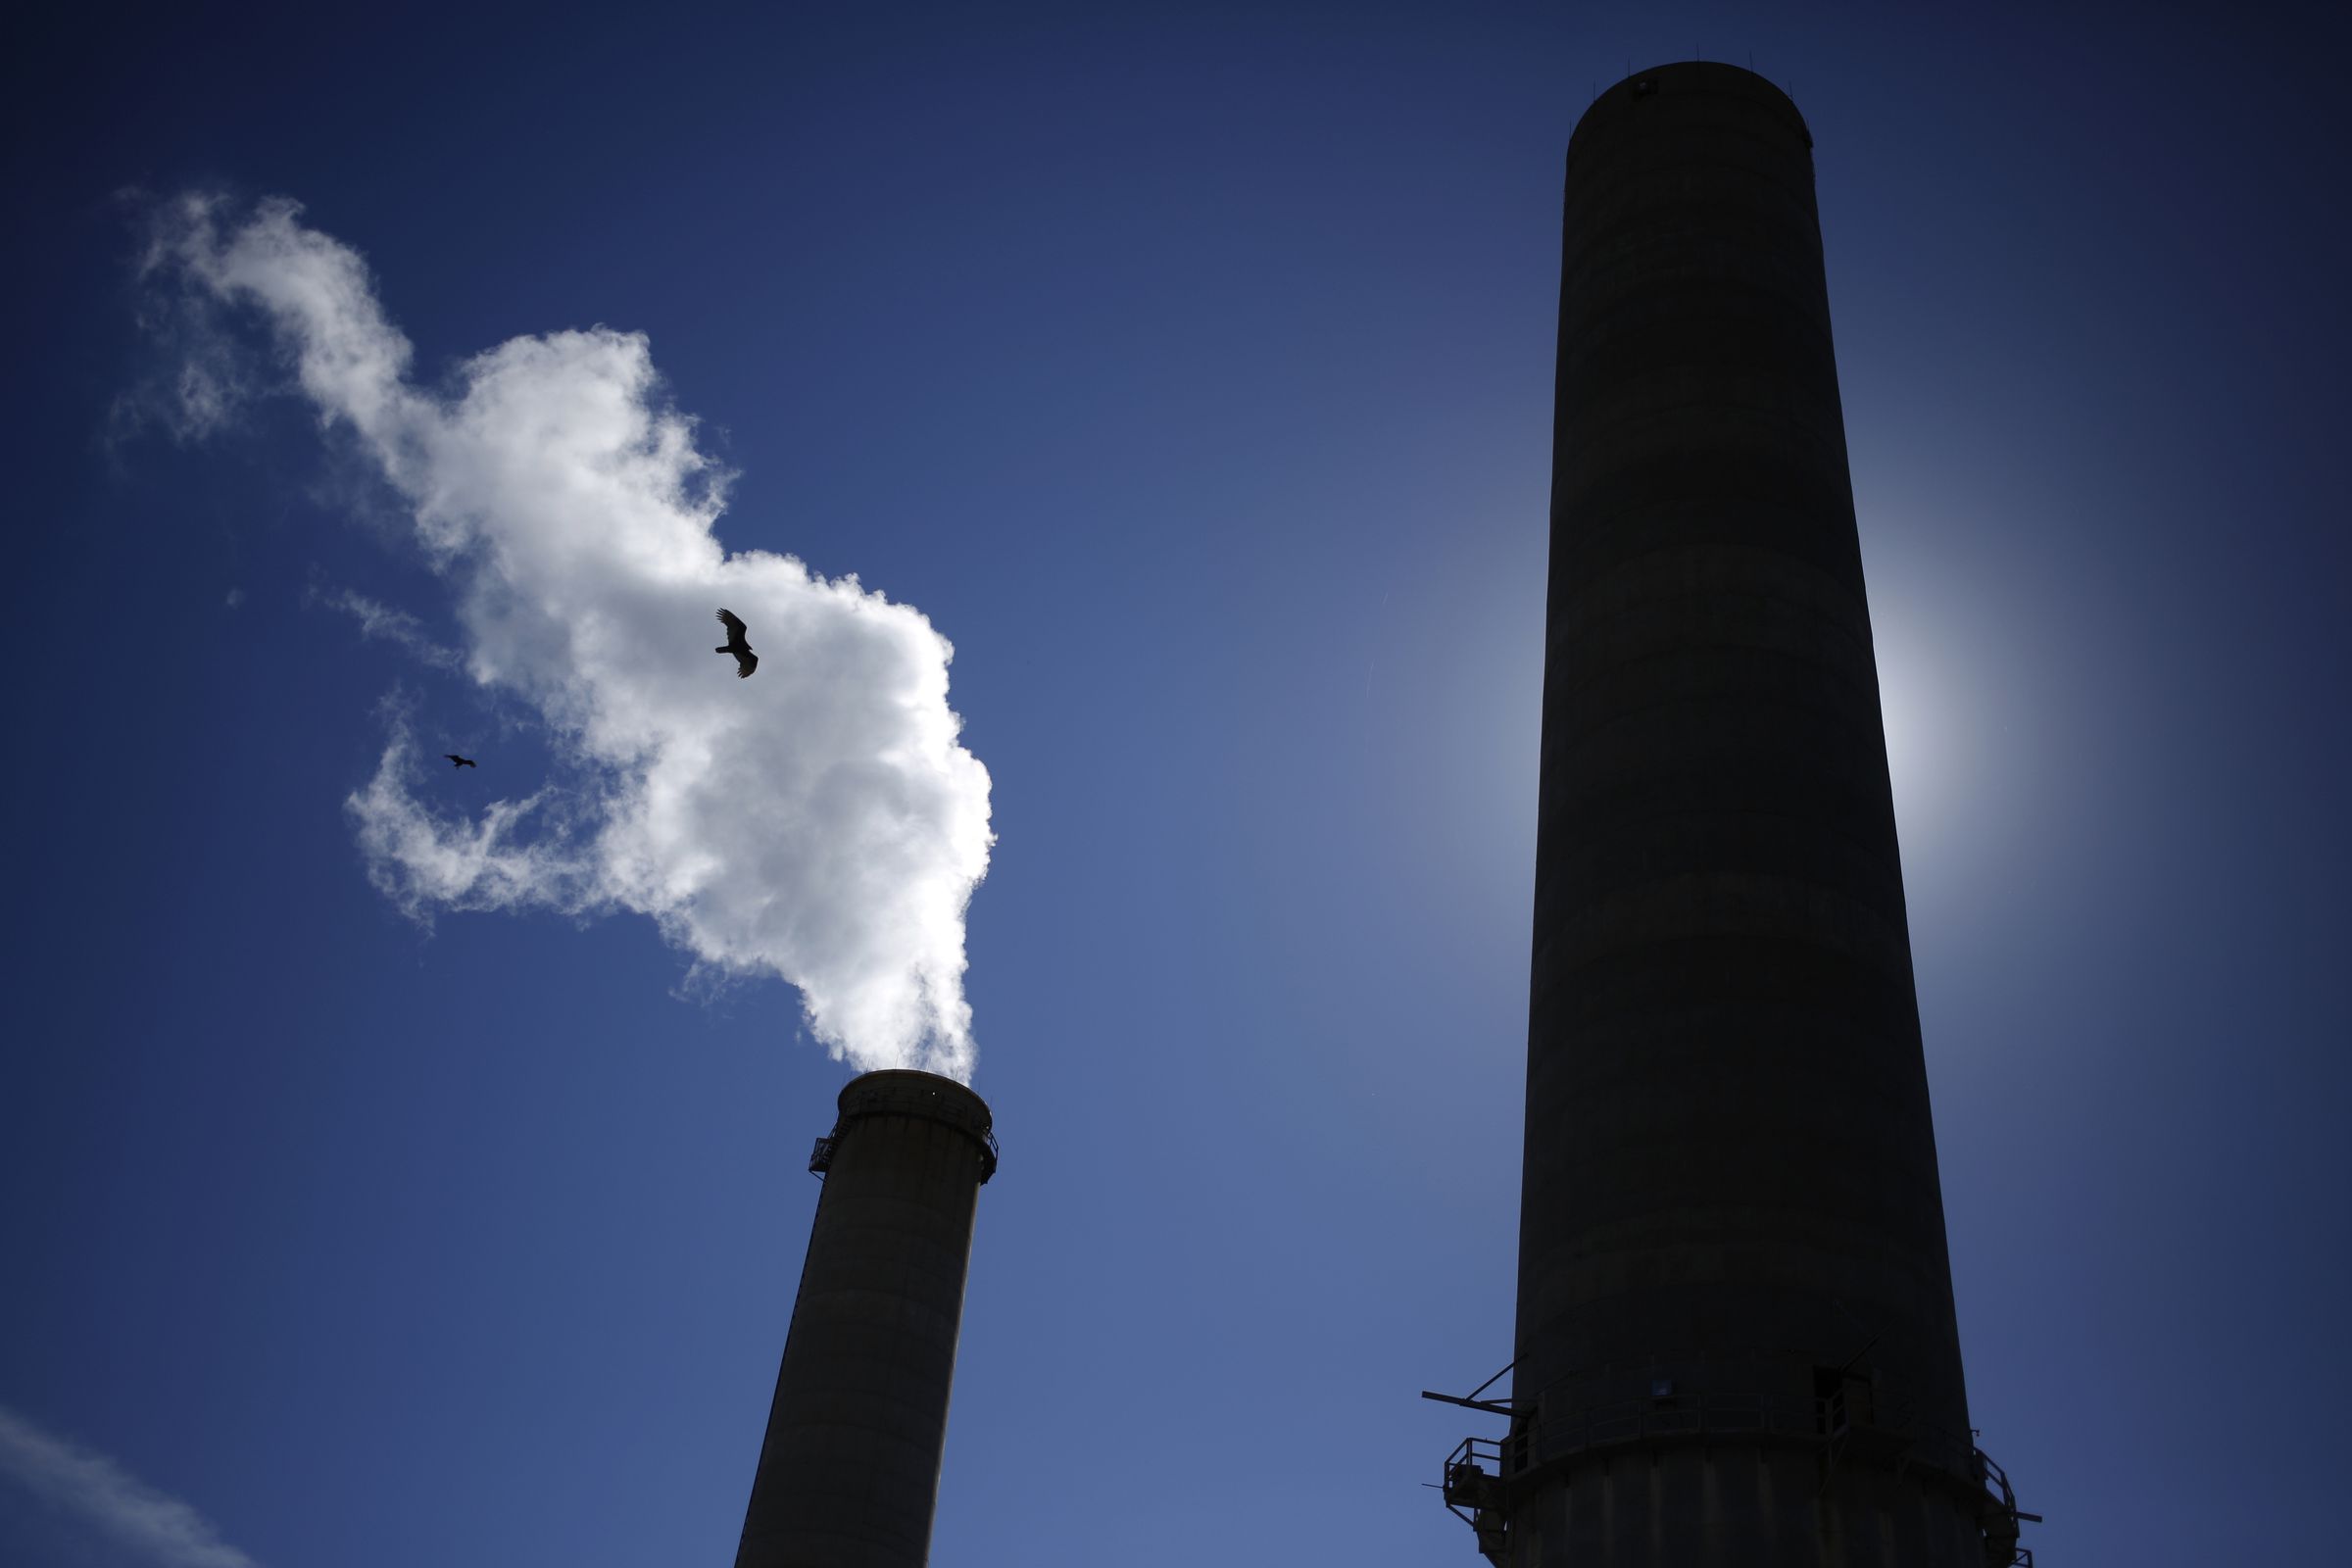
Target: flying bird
x=461, y=762
x=745, y=660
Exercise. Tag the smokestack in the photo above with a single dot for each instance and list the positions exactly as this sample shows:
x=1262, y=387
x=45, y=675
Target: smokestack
x=849, y=1472
x=1736, y=1332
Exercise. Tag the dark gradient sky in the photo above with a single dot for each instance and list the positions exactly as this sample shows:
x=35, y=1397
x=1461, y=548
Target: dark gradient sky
x=1189, y=366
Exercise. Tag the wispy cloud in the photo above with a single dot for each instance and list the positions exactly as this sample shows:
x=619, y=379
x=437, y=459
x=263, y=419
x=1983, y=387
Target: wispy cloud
x=514, y=853
x=108, y=1498
x=821, y=821
x=200, y=386
x=384, y=624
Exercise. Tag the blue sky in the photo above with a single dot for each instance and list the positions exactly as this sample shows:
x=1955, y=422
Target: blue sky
x=1189, y=367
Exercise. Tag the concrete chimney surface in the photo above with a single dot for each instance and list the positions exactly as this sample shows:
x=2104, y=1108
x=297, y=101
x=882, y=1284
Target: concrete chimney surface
x=849, y=1472
x=1729, y=1183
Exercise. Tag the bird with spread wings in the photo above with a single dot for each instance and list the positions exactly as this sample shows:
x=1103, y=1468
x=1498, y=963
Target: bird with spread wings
x=737, y=644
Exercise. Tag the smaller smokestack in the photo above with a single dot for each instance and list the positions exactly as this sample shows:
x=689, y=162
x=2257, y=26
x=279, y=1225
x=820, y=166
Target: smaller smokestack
x=849, y=1473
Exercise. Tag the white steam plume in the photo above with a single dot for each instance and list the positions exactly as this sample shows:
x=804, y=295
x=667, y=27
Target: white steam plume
x=161, y=1529
x=818, y=822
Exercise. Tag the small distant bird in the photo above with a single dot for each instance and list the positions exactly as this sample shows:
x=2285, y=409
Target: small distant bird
x=745, y=660
x=461, y=762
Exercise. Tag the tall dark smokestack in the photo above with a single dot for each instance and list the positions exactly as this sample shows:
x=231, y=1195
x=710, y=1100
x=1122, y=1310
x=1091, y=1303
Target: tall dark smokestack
x=850, y=1470
x=1735, y=1335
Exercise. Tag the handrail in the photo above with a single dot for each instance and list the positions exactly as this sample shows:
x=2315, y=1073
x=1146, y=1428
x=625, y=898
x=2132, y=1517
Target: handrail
x=1467, y=1482
x=1466, y=1485
x=910, y=1094
x=1790, y=1415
